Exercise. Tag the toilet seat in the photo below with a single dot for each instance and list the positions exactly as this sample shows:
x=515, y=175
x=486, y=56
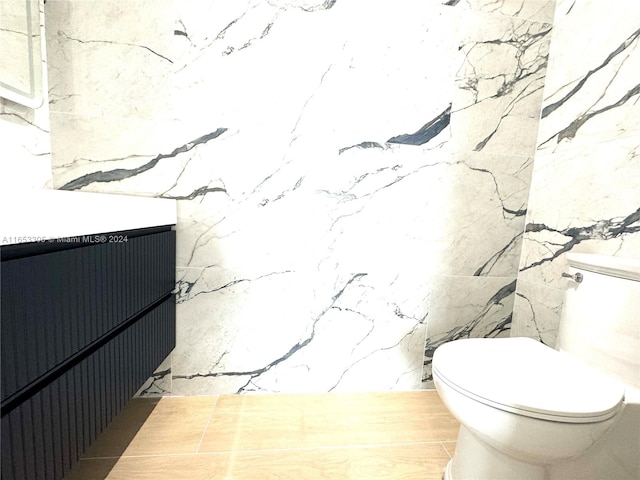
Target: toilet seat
x=523, y=376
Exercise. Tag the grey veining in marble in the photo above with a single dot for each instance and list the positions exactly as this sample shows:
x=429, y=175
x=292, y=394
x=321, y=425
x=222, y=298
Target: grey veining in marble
x=566, y=239
x=537, y=10
x=586, y=171
x=344, y=320
x=159, y=384
x=348, y=201
x=499, y=84
x=537, y=310
x=118, y=174
x=329, y=186
x=466, y=307
x=428, y=131
x=623, y=98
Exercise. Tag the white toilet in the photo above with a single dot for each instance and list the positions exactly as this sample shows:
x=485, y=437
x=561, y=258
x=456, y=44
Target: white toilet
x=528, y=411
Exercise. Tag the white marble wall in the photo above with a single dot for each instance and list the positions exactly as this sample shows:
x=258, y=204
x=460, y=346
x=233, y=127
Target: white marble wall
x=585, y=193
x=499, y=79
x=352, y=177
x=25, y=145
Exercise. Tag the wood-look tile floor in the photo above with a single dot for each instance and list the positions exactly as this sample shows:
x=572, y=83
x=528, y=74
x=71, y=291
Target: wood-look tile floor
x=390, y=435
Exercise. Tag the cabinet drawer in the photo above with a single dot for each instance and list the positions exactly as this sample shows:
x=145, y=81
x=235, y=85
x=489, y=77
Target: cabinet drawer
x=44, y=435
x=56, y=304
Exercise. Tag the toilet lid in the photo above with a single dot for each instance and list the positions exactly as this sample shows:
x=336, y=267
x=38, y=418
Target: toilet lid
x=524, y=376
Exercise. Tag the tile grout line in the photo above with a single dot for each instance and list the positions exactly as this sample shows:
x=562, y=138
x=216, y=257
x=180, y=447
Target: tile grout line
x=445, y=448
x=273, y=450
x=325, y=447
x=207, y=425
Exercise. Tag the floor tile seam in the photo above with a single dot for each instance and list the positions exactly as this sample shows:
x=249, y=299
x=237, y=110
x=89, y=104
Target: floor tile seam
x=446, y=449
x=206, y=426
x=149, y=455
x=327, y=447
x=268, y=450
x=420, y=392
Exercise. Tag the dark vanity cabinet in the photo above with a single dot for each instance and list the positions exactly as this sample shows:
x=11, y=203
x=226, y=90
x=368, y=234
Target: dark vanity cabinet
x=85, y=321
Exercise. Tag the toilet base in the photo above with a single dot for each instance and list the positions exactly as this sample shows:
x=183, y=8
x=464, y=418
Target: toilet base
x=447, y=471
x=476, y=460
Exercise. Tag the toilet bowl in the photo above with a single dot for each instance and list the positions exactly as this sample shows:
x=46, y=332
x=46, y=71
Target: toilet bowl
x=531, y=412
x=522, y=406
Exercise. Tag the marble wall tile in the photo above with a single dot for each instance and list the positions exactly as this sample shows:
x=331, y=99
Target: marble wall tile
x=536, y=10
x=536, y=312
x=333, y=332
x=25, y=159
x=467, y=307
x=322, y=189
x=331, y=122
x=159, y=384
x=592, y=89
x=496, y=102
x=445, y=200
x=277, y=74
x=377, y=218
x=290, y=102
x=384, y=198
x=107, y=59
x=499, y=84
x=583, y=200
x=485, y=226
x=114, y=157
x=584, y=189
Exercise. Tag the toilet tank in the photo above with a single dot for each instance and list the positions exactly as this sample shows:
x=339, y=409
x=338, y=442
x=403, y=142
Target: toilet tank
x=600, y=322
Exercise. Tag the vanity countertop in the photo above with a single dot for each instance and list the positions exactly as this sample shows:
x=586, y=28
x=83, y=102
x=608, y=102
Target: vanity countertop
x=34, y=215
